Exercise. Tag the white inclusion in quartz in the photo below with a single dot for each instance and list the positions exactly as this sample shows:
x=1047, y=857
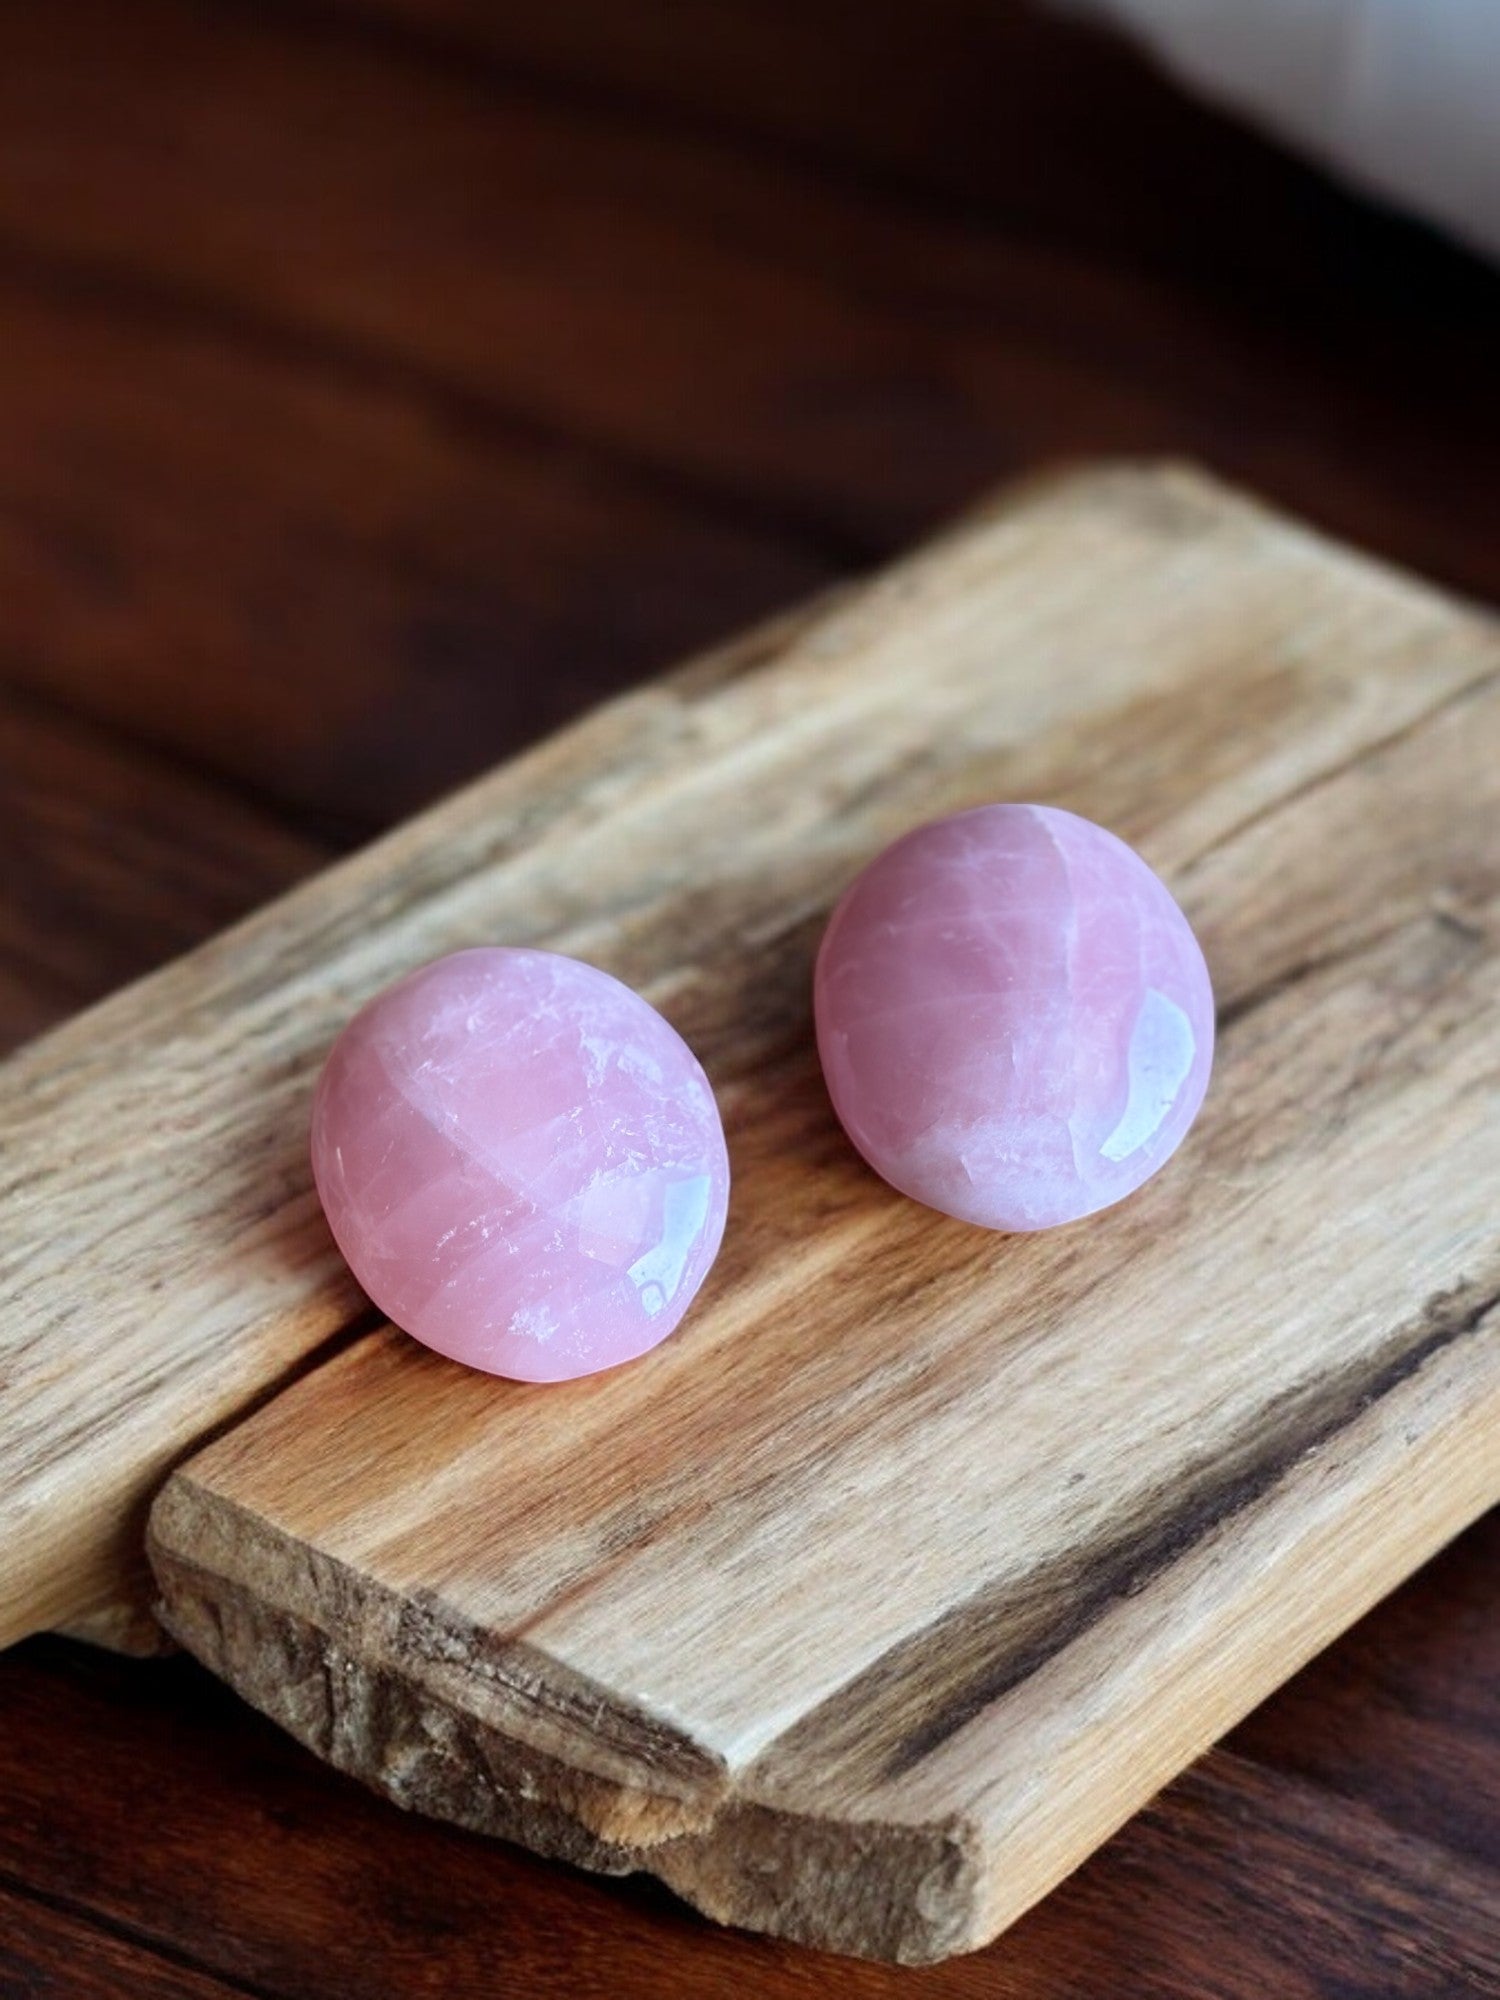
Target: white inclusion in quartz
x=534, y=1322
x=657, y=1274
x=1162, y=1048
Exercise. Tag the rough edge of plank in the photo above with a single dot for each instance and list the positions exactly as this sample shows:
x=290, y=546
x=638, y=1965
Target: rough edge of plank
x=911, y=1892
x=85, y=1576
x=940, y=1857
x=902, y=1888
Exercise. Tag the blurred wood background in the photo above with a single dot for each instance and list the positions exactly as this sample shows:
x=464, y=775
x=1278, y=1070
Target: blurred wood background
x=385, y=381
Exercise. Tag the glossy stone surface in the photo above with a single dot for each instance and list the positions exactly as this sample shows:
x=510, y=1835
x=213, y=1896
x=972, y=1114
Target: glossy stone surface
x=1015, y=1020
x=522, y=1162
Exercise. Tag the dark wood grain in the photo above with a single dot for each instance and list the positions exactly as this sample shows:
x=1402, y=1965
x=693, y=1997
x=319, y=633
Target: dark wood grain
x=383, y=381
x=115, y=858
x=47, y=1954
x=1404, y=1714
x=268, y=1869
x=958, y=104
x=780, y=343
x=1273, y=1888
x=330, y=586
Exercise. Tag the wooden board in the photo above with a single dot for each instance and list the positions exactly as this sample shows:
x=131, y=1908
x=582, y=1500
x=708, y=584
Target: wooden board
x=920, y=1557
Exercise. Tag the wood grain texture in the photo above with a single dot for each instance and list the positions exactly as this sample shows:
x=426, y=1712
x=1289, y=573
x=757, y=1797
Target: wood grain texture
x=221, y=1278
x=115, y=858
x=833, y=1663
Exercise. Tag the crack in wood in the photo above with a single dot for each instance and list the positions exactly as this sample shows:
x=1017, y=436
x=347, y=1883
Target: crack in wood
x=1017, y=1628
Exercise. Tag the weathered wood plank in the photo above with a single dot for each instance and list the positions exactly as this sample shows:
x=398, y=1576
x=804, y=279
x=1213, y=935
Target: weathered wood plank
x=217, y=1280
x=115, y=859
x=107, y=1203
x=1202, y=1404
x=301, y=1882
x=1088, y=644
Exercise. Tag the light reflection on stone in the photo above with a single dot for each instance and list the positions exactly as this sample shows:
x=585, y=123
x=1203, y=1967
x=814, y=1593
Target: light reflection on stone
x=1014, y=1017
x=1162, y=1046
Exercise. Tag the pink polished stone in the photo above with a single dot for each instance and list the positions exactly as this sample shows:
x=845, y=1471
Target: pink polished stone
x=522, y=1162
x=1015, y=1021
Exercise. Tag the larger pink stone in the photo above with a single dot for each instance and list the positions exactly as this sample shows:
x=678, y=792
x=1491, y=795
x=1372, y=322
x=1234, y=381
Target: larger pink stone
x=522, y=1162
x=1015, y=1020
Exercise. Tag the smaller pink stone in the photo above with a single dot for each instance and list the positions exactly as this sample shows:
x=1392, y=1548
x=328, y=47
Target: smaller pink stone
x=522, y=1162
x=1015, y=1020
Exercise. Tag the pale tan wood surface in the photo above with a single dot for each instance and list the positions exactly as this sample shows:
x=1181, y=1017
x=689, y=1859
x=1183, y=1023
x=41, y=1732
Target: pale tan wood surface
x=1304, y=743
x=869, y=1603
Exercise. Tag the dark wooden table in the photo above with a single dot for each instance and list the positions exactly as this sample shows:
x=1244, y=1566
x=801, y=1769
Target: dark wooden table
x=380, y=383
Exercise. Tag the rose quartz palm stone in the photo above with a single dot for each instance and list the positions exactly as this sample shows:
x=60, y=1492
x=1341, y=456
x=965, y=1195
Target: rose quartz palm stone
x=1014, y=1018
x=522, y=1162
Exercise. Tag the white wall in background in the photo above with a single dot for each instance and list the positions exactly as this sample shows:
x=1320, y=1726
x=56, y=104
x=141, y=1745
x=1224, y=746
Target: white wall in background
x=1401, y=95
